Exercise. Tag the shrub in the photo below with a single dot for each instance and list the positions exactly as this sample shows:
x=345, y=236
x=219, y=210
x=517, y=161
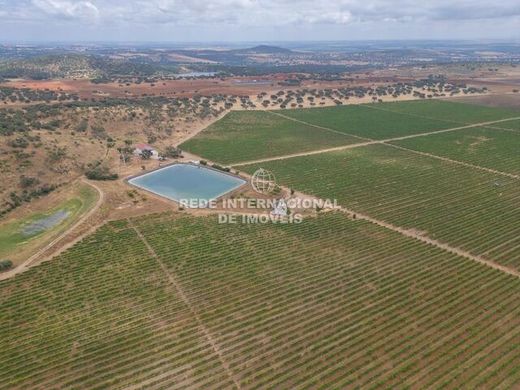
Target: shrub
x=26, y=181
x=19, y=143
x=82, y=126
x=57, y=154
x=5, y=265
x=172, y=152
x=98, y=132
x=221, y=168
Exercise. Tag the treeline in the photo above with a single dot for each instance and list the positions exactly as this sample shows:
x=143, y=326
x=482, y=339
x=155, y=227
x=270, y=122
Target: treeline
x=27, y=95
x=17, y=72
x=34, y=117
x=268, y=69
x=16, y=199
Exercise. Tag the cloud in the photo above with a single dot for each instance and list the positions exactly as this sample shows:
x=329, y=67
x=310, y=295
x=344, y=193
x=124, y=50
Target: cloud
x=466, y=10
x=267, y=17
x=275, y=12
x=261, y=12
x=67, y=9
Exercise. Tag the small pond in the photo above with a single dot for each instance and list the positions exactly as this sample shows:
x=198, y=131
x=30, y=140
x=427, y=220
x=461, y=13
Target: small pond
x=44, y=223
x=188, y=182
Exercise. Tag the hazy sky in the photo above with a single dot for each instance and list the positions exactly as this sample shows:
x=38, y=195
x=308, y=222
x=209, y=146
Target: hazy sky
x=257, y=20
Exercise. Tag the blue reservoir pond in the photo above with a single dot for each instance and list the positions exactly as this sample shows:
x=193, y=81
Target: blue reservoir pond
x=186, y=181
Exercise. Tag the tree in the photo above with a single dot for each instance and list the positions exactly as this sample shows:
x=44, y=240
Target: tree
x=125, y=153
x=146, y=154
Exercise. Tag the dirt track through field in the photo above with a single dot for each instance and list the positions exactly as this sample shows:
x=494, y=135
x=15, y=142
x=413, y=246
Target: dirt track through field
x=431, y=241
x=319, y=151
x=318, y=127
x=489, y=170
x=180, y=291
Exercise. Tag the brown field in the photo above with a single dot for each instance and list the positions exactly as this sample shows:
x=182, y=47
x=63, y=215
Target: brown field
x=168, y=88
x=240, y=86
x=496, y=100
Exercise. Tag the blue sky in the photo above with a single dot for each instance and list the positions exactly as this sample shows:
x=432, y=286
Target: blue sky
x=256, y=20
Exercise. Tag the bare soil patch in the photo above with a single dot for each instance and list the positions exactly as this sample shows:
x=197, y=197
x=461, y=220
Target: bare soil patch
x=510, y=100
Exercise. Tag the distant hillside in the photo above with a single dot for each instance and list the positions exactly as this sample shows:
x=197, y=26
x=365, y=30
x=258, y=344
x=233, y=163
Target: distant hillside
x=264, y=49
x=48, y=66
x=96, y=67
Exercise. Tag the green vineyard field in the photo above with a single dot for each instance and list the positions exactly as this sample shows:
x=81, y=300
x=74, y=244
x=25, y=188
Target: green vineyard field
x=512, y=125
x=368, y=120
x=461, y=113
x=464, y=207
x=251, y=135
x=328, y=303
x=489, y=148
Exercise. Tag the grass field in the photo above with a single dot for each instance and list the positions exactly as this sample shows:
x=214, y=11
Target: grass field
x=329, y=303
x=15, y=245
x=462, y=206
x=250, y=135
x=489, y=148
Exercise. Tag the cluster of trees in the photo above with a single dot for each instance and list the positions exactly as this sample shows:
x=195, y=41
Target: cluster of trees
x=172, y=152
x=17, y=199
x=47, y=117
x=35, y=117
x=98, y=171
x=432, y=86
x=17, y=72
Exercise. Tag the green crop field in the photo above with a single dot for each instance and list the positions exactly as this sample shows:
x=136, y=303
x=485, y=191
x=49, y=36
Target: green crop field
x=461, y=113
x=462, y=206
x=328, y=303
x=489, y=148
x=512, y=125
x=250, y=135
x=368, y=120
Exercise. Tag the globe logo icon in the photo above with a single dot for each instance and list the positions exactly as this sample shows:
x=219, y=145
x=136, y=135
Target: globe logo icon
x=263, y=181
